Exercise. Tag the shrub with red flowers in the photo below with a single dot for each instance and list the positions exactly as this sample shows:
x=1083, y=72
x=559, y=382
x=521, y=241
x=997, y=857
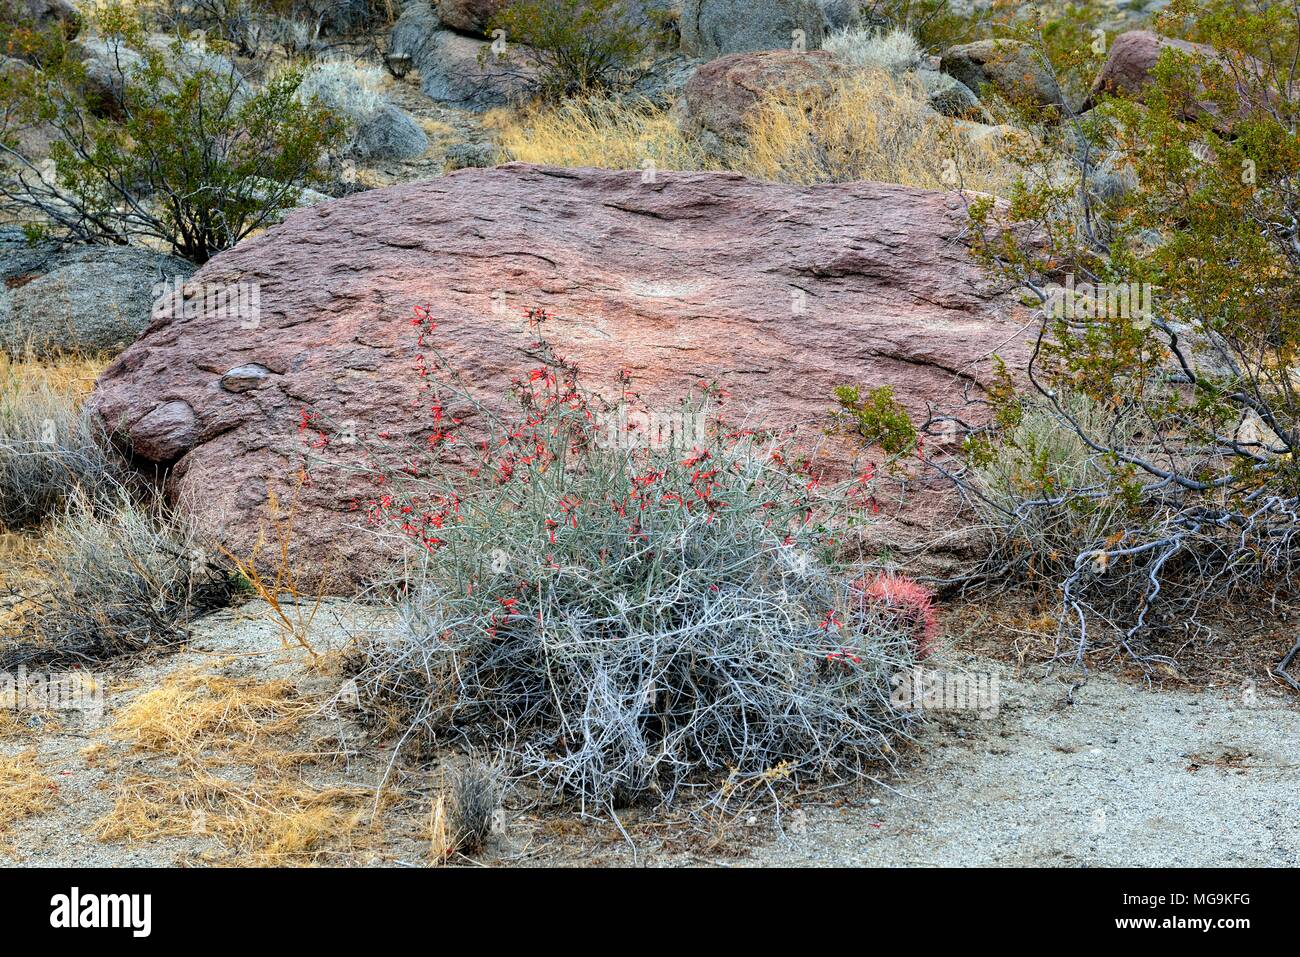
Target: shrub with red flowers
x=624, y=622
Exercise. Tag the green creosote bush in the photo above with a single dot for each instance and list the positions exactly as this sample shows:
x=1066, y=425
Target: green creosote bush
x=1209, y=375
x=575, y=47
x=191, y=158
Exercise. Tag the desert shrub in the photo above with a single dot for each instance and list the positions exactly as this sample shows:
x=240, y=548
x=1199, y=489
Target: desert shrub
x=237, y=22
x=936, y=24
x=872, y=126
x=894, y=51
x=1041, y=491
x=350, y=89
x=601, y=131
x=878, y=418
x=254, y=27
x=575, y=47
x=190, y=157
x=48, y=449
x=121, y=577
x=625, y=618
x=1208, y=367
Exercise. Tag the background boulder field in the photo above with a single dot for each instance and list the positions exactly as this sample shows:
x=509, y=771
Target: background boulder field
x=777, y=293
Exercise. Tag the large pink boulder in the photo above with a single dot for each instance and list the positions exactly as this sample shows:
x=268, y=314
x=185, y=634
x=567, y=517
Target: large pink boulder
x=1133, y=56
x=777, y=293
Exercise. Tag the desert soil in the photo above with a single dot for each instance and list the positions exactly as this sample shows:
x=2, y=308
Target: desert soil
x=1123, y=775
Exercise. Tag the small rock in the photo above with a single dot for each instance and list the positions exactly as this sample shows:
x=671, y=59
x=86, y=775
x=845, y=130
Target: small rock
x=244, y=378
x=949, y=96
x=166, y=433
x=719, y=95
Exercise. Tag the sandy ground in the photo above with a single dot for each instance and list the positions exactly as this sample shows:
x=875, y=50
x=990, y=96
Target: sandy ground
x=1121, y=776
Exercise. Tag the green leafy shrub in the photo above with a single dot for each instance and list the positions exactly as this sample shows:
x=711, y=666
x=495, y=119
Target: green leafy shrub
x=1193, y=407
x=879, y=418
x=575, y=47
x=188, y=156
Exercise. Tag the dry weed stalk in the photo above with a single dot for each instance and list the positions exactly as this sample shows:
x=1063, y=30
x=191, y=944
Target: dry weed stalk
x=282, y=591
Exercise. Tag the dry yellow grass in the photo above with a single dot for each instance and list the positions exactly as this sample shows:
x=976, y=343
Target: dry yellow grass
x=24, y=790
x=258, y=807
x=599, y=132
x=873, y=126
x=72, y=375
x=261, y=823
x=197, y=717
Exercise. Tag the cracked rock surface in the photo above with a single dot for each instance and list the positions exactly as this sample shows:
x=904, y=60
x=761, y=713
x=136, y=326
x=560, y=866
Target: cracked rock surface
x=777, y=293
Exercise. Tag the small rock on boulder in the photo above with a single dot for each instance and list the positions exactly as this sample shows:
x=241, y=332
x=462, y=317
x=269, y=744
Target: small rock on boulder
x=469, y=16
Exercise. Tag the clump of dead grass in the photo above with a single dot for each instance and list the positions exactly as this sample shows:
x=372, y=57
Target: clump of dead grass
x=871, y=126
x=118, y=578
x=24, y=790
x=259, y=823
x=602, y=132
x=232, y=774
x=193, y=714
x=48, y=448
